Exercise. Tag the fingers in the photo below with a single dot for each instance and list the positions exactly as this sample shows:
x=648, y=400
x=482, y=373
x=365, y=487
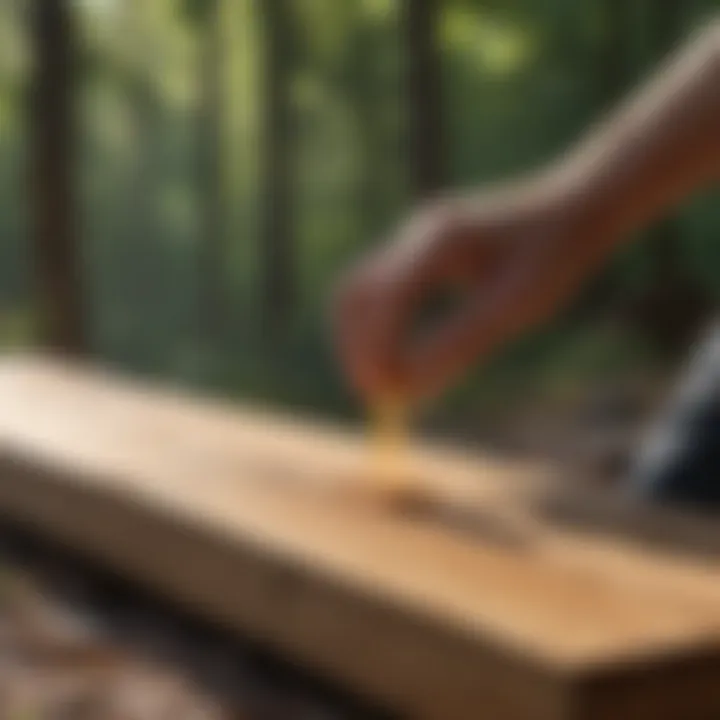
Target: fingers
x=521, y=294
x=376, y=304
x=359, y=333
x=373, y=309
x=481, y=325
x=520, y=257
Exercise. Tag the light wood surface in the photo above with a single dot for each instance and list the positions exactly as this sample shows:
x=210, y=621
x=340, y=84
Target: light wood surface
x=512, y=593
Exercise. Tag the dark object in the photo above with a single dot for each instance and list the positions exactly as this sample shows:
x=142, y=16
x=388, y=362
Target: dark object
x=681, y=462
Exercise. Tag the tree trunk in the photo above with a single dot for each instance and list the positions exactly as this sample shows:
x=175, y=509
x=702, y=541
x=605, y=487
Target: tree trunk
x=613, y=75
x=676, y=306
x=210, y=113
x=54, y=237
x=665, y=19
x=614, y=68
x=278, y=155
x=420, y=22
x=365, y=95
x=669, y=311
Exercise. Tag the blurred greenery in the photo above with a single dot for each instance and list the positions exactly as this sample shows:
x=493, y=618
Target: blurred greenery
x=521, y=79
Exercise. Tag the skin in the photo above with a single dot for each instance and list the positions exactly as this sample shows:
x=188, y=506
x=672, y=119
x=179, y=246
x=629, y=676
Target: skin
x=520, y=252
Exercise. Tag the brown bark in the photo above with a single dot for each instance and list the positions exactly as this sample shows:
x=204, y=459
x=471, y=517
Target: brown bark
x=420, y=22
x=361, y=99
x=278, y=149
x=210, y=112
x=679, y=305
x=671, y=312
x=54, y=235
x=665, y=18
x=615, y=72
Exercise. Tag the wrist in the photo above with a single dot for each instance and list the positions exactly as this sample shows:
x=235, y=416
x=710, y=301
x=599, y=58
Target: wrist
x=588, y=198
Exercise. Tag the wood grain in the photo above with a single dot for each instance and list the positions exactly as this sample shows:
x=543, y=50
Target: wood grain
x=489, y=603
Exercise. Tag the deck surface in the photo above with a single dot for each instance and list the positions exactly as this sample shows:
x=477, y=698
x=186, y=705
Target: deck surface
x=515, y=594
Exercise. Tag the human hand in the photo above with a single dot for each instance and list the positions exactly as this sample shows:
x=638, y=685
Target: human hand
x=514, y=255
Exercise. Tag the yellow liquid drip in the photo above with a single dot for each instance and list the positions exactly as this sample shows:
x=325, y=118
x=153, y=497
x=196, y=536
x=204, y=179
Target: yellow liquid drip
x=390, y=429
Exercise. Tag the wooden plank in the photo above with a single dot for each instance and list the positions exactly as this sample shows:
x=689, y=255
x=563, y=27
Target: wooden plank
x=490, y=602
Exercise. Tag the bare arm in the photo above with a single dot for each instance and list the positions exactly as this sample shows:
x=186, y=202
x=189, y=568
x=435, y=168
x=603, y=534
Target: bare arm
x=658, y=148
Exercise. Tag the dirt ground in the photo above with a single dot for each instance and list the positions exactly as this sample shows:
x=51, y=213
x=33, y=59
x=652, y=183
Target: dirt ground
x=73, y=649
x=56, y=664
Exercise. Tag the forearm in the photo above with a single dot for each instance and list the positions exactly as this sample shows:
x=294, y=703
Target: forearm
x=660, y=147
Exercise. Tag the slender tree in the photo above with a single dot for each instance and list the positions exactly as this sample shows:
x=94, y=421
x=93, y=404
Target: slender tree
x=206, y=18
x=675, y=306
x=55, y=242
x=615, y=72
x=665, y=20
x=210, y=175
x=278, y=162
x=359, y=87
x=613, y=75
x=420, y=23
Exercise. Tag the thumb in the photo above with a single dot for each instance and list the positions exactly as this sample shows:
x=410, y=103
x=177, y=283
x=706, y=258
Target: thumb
x=490, y=316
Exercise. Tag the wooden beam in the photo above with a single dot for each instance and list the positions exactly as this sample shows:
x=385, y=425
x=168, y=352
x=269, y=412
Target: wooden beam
x=495, y=603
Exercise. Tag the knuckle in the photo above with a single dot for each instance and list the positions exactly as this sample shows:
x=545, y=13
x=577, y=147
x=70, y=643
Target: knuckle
x=348, y=291
x=437, y=217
